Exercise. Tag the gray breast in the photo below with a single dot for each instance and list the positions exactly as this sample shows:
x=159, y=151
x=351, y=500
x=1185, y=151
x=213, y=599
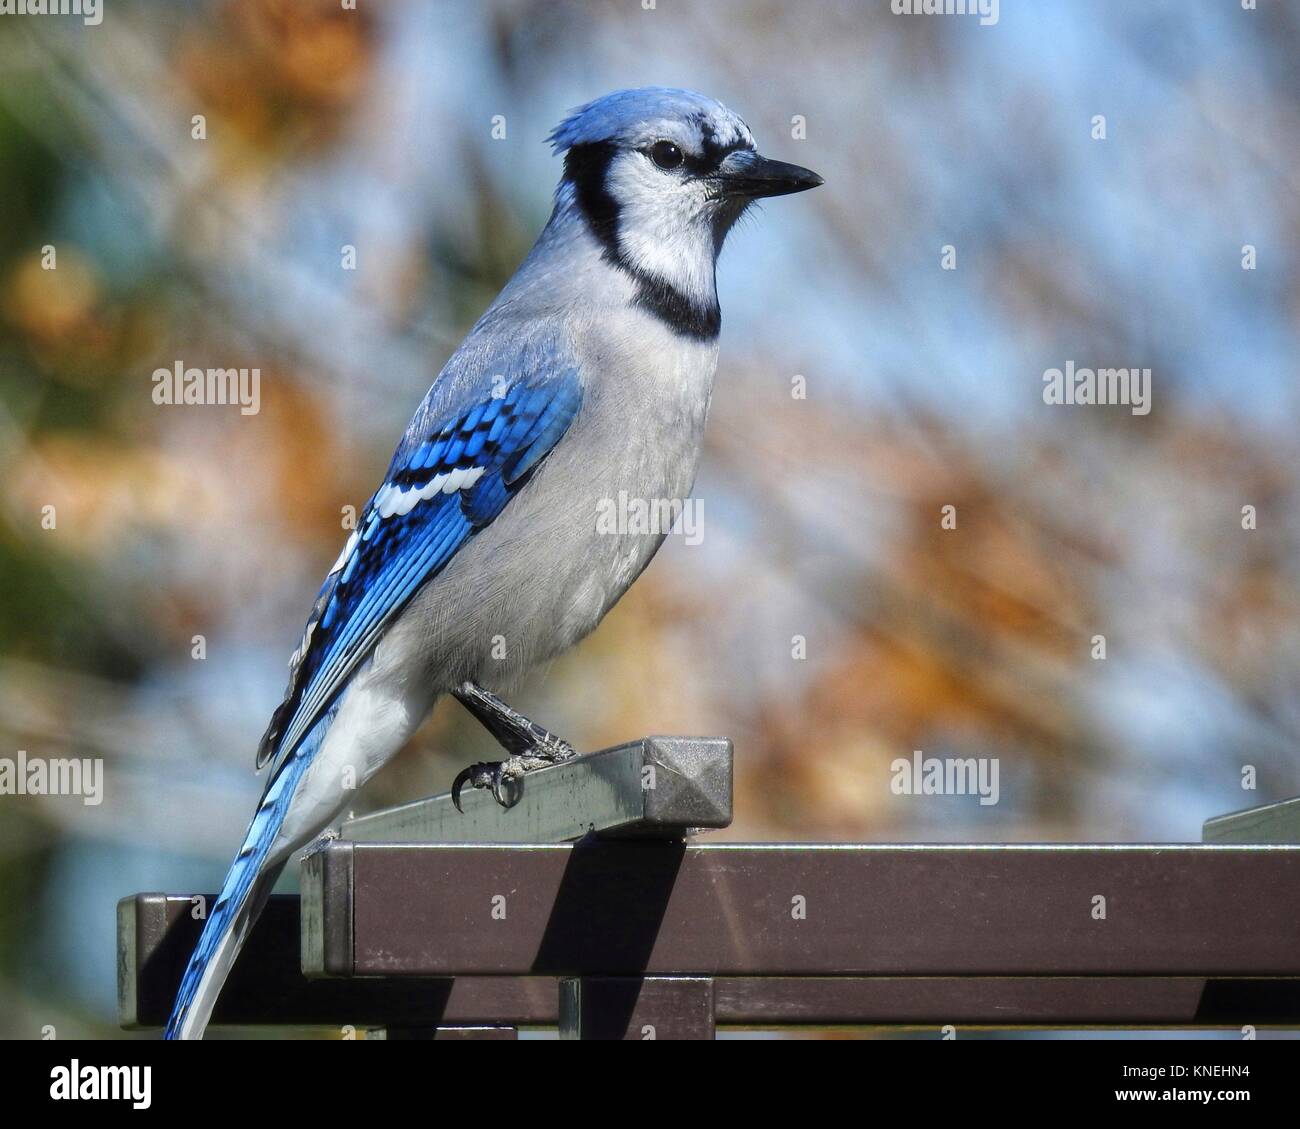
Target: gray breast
x=544, y=574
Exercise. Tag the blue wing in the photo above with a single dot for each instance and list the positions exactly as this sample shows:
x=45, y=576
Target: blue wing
x=452, y=475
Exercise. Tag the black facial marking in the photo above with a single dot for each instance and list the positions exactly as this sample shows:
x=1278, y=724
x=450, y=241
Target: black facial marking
x=712, y=151
x=585, y=167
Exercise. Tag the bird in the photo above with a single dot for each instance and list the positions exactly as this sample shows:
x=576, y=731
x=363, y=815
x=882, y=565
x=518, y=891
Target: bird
x=478, y=556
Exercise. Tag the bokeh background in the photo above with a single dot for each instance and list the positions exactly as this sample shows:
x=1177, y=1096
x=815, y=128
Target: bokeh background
x=374, y=129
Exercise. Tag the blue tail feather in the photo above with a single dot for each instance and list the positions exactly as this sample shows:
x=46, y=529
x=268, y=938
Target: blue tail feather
x=247, y=883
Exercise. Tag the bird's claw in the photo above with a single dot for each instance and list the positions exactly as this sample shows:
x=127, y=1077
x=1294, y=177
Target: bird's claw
x=502, y=777
x=485, y=774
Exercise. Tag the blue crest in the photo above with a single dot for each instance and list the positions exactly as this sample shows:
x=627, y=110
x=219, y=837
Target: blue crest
x=645, y=113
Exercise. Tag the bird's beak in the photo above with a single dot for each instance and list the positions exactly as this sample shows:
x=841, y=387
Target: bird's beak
x=747, y=176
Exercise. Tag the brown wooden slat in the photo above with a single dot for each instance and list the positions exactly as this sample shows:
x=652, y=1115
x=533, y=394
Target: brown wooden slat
x=266, y=987
x=660, y=909
x=1189, y=920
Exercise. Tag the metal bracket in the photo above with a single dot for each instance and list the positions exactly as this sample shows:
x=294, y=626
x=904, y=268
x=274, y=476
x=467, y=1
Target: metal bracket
x=1269, y=823
x=654, y=788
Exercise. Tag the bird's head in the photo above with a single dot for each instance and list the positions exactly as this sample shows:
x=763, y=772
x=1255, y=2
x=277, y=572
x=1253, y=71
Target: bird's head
x=660, y=176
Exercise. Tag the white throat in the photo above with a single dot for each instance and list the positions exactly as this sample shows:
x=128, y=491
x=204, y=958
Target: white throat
x=668, y=238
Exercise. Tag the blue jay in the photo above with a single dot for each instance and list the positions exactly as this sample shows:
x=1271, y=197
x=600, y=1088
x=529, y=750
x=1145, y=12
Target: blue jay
x=479, y=556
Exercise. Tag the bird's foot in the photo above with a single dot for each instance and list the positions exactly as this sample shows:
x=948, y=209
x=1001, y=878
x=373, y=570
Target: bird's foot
x=502, y=776
x=530, y=746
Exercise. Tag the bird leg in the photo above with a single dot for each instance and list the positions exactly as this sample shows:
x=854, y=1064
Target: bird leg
x=529, y=745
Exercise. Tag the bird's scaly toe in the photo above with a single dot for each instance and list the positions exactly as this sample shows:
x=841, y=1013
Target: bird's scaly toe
x=502, y=776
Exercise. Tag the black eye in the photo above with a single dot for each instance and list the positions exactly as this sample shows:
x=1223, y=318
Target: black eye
x=666, y=155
